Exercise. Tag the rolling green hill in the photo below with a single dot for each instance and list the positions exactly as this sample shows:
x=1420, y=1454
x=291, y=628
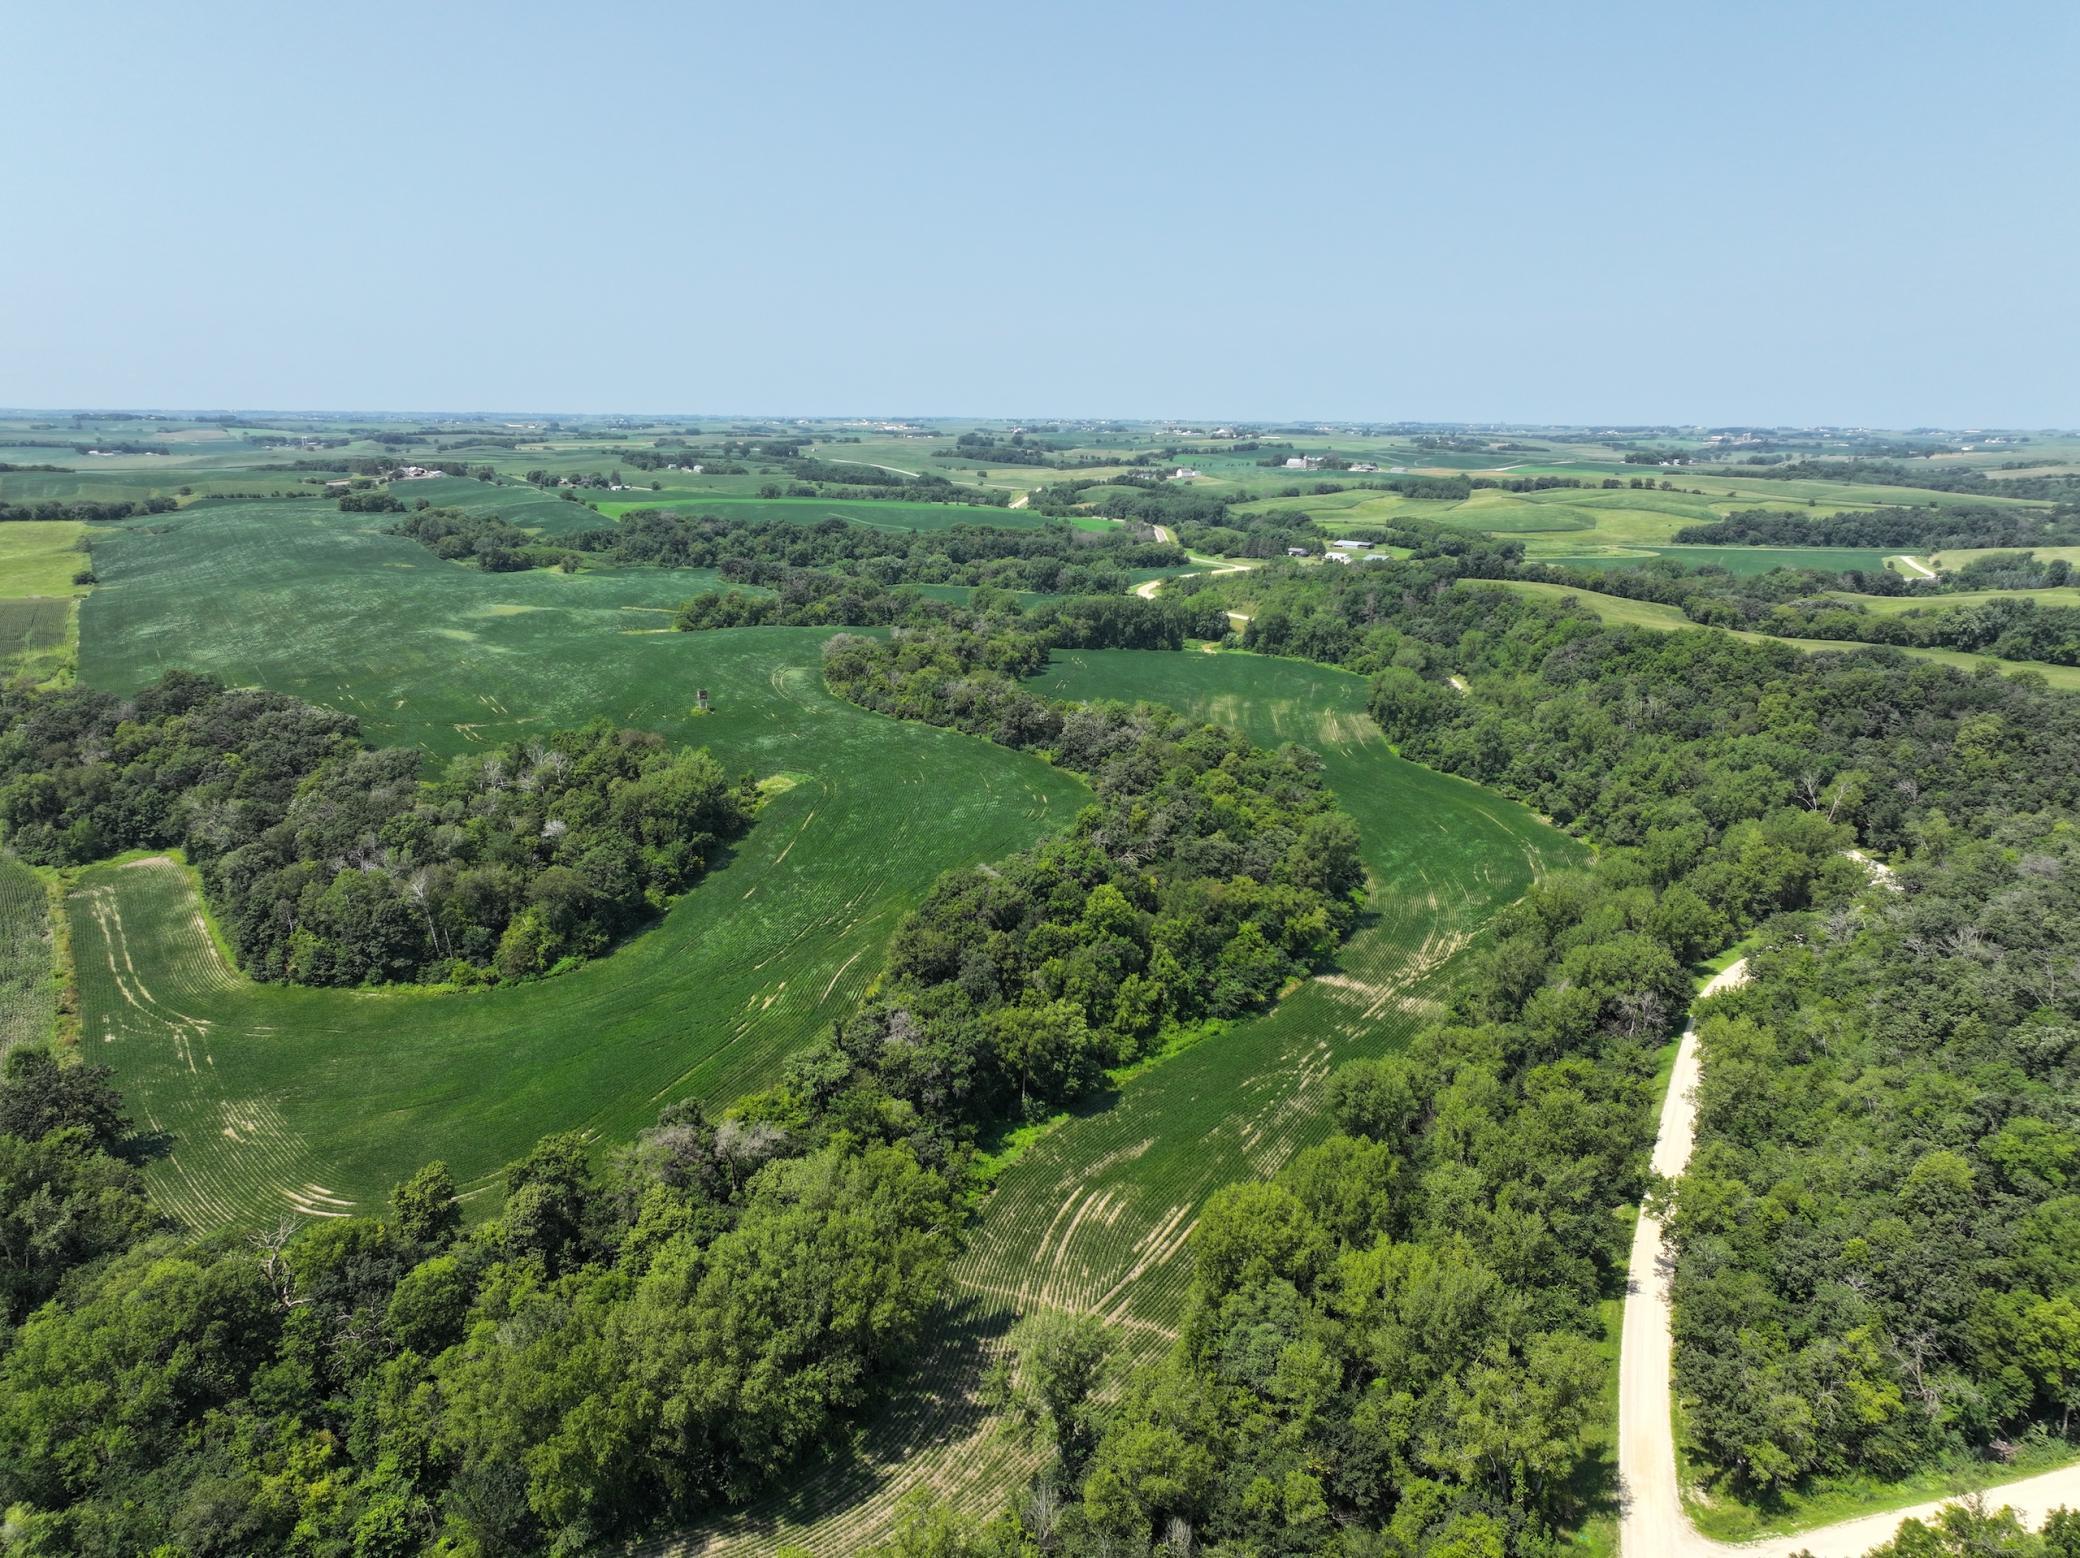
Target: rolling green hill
x=1095, y=1216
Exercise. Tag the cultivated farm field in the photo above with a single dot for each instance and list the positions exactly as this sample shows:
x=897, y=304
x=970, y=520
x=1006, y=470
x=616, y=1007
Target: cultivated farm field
x=28, y=997
x=38, y=559
x=1095, y=1217
x=348, y=1089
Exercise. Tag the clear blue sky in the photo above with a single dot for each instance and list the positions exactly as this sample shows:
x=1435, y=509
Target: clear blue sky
x=1609, y=211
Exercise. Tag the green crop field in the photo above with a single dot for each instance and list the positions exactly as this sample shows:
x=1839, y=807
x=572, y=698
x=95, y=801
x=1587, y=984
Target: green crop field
x=1894, y=605
x=1649, y=614
x=273, y=1090
x=531, y=508
x=28, y=993
x=36, y=636
x=281, y=1097
x=304, y=599
x=1096, y=1215
x=1734, y=559
x=1761, y=559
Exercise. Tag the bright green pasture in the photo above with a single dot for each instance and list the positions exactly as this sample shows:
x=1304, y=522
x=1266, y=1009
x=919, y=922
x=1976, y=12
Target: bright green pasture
x=1761, y=559
x=281, y=1097
x=39, y=557
x=28, y=990
x=38, y=600
x=1894, y=605
x=1096, y=1215
x=1734, y=559
x=1620, y=611
x=1959, y=556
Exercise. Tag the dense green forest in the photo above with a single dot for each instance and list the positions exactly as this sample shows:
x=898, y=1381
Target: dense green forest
x=660, y=1332
x=810, y=598
x=2014, y=629
x=330, y=863
x=1055, y=559
x=1879, y=1239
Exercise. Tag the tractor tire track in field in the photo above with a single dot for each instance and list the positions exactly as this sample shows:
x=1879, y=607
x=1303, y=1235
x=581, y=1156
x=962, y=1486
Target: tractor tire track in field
x=709, y=1001
x=1097, y=1216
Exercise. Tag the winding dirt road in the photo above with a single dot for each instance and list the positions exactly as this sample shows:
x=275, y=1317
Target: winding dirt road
x=1652, y=1524
x=1148, y=587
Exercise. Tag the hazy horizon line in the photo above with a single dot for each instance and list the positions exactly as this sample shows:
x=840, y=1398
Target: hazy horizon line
x=197, y=413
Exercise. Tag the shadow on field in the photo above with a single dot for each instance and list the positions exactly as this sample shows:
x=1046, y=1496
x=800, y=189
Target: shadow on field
x=142, y=1147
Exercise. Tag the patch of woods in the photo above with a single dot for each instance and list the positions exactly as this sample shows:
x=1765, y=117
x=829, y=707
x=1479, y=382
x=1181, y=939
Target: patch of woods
x=2013, y=629
x=327, y=862
x=104, y=512
x=1880, y=1231
x=1202, y=521
x=373, y=500
x=1617, y=732
x=1052, y=559
x=994, y=448
x=666, y=1330
x=814, y=599
x=1340, y=619
x=1921, y=530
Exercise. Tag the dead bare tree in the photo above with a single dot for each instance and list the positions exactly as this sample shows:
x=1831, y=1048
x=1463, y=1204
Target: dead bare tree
x=274, y=1262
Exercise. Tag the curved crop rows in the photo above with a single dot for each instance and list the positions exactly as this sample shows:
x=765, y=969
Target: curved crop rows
x=279, y=1099
x=1096, y=1216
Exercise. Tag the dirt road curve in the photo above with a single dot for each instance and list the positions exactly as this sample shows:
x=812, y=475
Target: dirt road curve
x=1148, y=587
x=1653, y=1524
